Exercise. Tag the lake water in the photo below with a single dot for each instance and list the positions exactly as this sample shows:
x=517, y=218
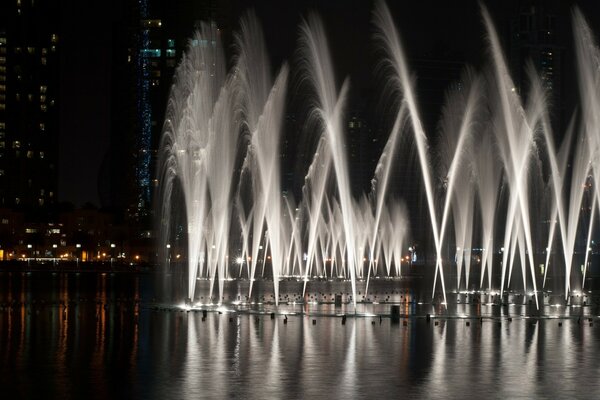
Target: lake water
x=98, y=336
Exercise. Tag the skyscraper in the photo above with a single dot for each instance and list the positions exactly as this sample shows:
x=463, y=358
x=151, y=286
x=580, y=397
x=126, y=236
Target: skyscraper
x=535, y=37
x=148, y=44
x=29, y=95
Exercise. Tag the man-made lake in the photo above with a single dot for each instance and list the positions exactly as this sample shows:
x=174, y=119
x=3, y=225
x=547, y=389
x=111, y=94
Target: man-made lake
x=93, y=335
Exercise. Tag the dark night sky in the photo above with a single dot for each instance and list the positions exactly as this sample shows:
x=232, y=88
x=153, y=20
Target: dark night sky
x=425, y=25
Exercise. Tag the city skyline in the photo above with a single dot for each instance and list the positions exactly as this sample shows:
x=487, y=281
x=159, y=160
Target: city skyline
x=281, y=44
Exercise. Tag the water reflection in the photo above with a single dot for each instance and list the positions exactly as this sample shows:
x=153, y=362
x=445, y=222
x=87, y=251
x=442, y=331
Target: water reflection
x=92, y=336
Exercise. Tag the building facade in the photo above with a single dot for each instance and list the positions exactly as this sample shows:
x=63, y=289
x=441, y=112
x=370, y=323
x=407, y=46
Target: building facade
x=148, y=45
x=29, y=99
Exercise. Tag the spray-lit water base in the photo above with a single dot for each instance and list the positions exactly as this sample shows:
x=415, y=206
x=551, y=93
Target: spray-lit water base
x=411, y=297
x=490, y=183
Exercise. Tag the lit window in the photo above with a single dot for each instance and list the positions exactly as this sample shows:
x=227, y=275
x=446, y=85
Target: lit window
x=170, y=43
x=54, y=38
x=43, y=89
x=151, y=53
x=2, y=125
x=2, y=60
x=41, y=156
x=42, y=126
x=170, y=52
x=44, y=61
x=16, y=144
x=151, y=23
x=2, y=88
x=31, y=50
x=29, y=154
x=42, y=98
x=43, y=108
x=2, y=41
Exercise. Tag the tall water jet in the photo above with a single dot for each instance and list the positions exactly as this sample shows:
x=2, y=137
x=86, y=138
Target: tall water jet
x=488, y=175
x=328, y=112
x=260, y=107
x=380, y=183
x=588, y=63
x=455, y=148
x=389, y=38
x=515, y=139
x=197, y=124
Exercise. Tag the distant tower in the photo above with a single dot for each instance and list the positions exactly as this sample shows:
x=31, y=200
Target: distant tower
x=360, y=161
x=29, y=110
x=148, y=45
x=535, y=37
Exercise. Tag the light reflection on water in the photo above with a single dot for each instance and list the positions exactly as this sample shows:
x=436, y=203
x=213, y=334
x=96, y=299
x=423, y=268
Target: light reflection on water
x=92, y=336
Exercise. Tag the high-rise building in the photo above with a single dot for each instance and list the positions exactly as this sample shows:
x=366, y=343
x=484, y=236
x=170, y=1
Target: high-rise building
x=29, y=96
x=535, y=37
x=361, y=159
x=148, y=45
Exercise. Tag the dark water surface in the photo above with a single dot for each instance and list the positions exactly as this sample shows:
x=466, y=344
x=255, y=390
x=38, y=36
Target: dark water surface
x=96, y=336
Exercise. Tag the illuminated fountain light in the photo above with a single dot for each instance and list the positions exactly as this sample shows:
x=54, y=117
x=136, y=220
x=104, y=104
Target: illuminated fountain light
x=220, y=150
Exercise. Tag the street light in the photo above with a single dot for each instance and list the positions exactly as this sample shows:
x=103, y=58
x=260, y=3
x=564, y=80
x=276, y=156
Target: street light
x=55, y=260
x=77, y=246
x=168, y=256
x=112, y=246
